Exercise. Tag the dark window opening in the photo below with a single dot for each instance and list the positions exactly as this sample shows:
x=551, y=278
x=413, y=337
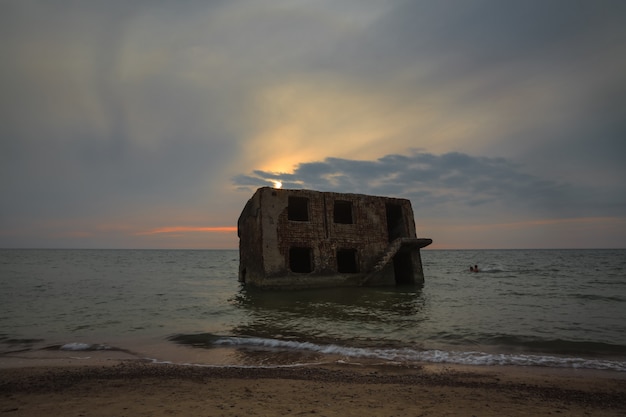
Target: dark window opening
x=403, y=268
x=395, y=222
x=300, y=260
x=343, y=212
x=346, y=261
x=298, y=209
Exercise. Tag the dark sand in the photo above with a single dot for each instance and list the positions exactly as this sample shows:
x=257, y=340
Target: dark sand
x=136, y=388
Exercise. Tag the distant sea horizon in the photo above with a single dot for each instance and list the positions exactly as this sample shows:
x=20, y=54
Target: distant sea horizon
x=429, y=248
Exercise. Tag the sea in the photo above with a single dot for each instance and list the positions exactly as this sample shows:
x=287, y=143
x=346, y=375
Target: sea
x=545, y=308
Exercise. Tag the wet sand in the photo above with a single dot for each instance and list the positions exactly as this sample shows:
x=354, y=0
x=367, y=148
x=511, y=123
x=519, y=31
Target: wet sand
x=137, y=388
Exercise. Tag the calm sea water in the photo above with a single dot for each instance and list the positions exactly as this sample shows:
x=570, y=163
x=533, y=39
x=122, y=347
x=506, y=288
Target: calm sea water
x=561, y=308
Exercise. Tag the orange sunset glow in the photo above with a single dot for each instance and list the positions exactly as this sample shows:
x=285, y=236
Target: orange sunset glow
x=189, y=229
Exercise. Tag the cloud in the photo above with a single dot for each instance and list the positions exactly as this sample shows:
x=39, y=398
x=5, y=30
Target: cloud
x=466, y=201
x=438, y=184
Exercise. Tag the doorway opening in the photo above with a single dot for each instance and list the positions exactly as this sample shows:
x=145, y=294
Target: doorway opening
x=403, y=268
x=346, y=261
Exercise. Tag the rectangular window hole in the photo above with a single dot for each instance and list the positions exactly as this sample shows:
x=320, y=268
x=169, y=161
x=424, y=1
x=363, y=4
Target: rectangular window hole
x=300, y=260
x=298, y=209
x=342, y=212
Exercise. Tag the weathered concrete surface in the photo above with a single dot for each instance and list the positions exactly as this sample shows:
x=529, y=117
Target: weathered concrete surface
x=305, y=238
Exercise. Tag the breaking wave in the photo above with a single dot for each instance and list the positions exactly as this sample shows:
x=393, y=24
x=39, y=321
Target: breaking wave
x=403, y=354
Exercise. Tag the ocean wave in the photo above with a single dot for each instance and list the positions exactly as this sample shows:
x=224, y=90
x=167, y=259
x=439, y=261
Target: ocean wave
x=596, y=297
x=78, y=346
x=431, y=356
x=558, y=346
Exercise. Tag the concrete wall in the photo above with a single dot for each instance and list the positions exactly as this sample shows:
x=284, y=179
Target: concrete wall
x=250, y=241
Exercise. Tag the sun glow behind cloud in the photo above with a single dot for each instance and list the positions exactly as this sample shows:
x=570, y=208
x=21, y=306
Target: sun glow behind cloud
x=302, y=120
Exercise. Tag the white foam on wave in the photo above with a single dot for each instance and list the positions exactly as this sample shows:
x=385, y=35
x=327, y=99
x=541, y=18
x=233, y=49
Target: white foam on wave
x=76, y=346
x=79, y=346
x=432, y=356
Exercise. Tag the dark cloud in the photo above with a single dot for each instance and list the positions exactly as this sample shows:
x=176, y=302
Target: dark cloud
x=452, y=182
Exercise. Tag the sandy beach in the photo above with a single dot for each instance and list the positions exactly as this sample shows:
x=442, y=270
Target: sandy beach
x=136, y=388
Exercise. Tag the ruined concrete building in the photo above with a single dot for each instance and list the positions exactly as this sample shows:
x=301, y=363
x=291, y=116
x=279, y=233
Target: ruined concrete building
x=305, y=239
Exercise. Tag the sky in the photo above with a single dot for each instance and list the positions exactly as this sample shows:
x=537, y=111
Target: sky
x=149, y=124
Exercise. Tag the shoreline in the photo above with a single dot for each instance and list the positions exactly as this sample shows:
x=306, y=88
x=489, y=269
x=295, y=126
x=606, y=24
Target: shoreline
x=240, y=351
x=135, y=387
